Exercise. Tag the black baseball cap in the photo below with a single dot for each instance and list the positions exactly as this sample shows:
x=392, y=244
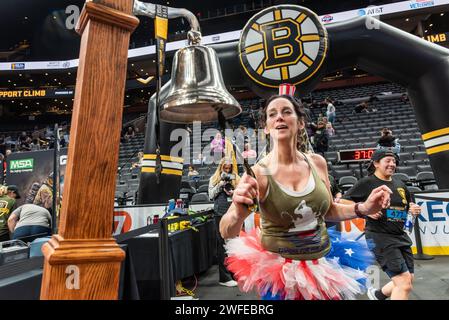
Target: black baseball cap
x=14, y=189
x=378, y=155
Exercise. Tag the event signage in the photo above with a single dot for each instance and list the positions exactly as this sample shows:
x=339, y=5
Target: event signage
x=437, y=38
x=35, y=93
x=433, y=221
x=27, y=169
x=390, y=8
x=18, y=66
x=22, y=165
x=419, y=4
x=135, y=217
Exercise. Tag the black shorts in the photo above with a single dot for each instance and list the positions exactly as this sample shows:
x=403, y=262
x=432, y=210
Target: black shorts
x=395, y=260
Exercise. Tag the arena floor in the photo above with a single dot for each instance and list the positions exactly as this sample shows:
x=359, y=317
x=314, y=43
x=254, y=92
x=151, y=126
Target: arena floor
x=431, y=283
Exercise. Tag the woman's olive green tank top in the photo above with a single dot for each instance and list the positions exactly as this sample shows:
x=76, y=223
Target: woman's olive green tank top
x=293, y=222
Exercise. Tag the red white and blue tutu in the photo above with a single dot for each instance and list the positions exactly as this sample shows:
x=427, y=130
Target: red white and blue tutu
x=337, y=276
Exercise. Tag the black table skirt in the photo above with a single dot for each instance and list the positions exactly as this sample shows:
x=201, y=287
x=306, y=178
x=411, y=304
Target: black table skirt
x=191, y=253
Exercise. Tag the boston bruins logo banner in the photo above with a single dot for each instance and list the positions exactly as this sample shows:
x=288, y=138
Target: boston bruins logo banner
x=282, y=44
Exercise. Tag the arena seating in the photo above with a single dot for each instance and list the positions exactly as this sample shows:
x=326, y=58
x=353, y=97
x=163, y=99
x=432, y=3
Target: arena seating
x=361, y=130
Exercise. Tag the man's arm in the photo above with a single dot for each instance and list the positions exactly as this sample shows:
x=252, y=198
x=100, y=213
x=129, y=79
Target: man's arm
x=12, y=221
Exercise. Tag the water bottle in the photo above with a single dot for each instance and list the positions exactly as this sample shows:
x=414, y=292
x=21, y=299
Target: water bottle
x=409, y=222
x=171, y=205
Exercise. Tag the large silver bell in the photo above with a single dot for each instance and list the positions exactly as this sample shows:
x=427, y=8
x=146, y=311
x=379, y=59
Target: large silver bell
x=197, y=91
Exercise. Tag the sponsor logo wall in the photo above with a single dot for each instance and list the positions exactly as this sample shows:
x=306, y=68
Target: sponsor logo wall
x=26, y=168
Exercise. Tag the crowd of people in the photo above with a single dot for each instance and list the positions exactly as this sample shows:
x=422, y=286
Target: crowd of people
x=38, y=139
x=33, y=218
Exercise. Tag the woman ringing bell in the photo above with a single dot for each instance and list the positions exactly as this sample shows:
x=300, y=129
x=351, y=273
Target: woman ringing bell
x=293, y=255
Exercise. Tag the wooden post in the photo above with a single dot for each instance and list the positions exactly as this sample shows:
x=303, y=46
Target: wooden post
x=83, y=260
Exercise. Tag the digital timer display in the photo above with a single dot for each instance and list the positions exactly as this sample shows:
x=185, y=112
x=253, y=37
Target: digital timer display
x=355, y=155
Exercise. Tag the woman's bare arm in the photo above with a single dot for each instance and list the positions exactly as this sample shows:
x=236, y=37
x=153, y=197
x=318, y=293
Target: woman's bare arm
x=247, y=189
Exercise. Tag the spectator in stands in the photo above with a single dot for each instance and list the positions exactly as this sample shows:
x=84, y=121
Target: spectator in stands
x=3, y=190
x=392, y=246
x=217, y=147
x=49, y=133
x=37, y=135
x=24, y=142
x=130, y=133
x=364, y=107
x=44, y=196
x=200, y=159
x=361, y=108
x=192, y=172
x=388, y=141
x=62, y=142
x=139, y=161
x=404, y=98
x=28, y=220
x=330, y=130
x=331, y=111
x=249, y=153
x=34, y=145
x=7, y=202
x=221, y=188
x=321, y=139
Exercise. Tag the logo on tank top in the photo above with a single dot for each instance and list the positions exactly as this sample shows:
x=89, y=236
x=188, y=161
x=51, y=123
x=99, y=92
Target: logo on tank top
x=303, y=218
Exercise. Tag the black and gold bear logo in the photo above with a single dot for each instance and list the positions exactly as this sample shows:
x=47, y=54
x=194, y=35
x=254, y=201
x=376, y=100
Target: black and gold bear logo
x=283, y=44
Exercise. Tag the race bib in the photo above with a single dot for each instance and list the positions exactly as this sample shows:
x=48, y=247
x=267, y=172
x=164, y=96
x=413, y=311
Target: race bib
x=396, y=215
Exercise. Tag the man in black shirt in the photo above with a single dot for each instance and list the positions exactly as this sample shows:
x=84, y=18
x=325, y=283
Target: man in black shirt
x=392, y=246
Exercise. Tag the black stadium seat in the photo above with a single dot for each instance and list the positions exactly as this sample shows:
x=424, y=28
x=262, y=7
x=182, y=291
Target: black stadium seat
x=341, y=173
x=404, y=156
x=200, y=197
x=347, y=182
x=402, y=176
x=203, y=188
x=414, y=189
x=424, y=167
x=420, y=155
x=410, y=171
x=425, y=176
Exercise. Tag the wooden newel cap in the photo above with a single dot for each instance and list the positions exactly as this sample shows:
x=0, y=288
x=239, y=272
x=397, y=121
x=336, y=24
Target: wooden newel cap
x=107, y=15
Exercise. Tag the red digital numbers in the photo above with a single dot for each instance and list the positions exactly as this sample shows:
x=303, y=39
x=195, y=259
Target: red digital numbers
x=356, y=155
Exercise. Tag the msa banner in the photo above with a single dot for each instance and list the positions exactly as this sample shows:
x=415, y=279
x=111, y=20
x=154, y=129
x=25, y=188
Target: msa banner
x=433, y=223
x=27, y=169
